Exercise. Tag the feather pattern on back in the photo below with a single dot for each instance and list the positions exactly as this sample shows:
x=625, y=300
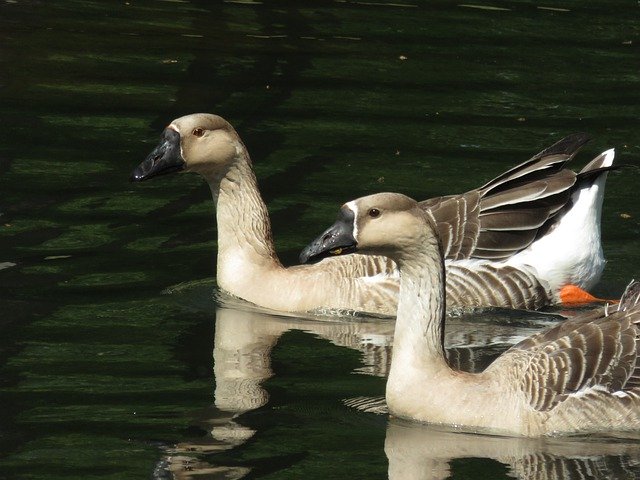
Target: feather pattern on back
x=597, y=352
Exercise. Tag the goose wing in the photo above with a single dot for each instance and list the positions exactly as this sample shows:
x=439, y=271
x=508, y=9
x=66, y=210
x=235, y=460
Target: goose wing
x=506, y=214
x=478, y=283
x=596, y=350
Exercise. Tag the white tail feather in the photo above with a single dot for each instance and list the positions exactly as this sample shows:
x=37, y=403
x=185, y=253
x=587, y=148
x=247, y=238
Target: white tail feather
x=571, y=252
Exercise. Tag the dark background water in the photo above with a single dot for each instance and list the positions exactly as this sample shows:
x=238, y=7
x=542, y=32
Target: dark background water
x=106, y=367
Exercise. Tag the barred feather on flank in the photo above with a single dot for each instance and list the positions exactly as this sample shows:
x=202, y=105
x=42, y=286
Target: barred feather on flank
x=497, y=228
x=492, y=285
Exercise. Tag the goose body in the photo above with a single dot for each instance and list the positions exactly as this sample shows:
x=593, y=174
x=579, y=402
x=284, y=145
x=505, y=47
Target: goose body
x=493, y=236
x=578, y=377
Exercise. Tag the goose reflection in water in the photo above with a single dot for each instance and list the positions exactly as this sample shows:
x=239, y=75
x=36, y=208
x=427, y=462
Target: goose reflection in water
x=417, y=451
x=244, y=339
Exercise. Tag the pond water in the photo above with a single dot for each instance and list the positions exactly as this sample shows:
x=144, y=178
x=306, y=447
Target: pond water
x=118, y=359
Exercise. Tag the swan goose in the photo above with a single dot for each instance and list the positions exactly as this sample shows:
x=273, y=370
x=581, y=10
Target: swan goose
x=505, y=242
x=578, y=377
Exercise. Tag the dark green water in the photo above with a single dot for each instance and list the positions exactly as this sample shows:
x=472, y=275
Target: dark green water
x=107, y=368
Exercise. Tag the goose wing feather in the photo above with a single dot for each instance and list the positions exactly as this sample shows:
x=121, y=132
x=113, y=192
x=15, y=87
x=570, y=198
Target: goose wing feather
x=521, y=199
x=631, y=296
x=596, y=351
x=457, y=218
x=515, y=218
x=552, y=158
x=595, y=165
x=507, y=242
x=530, y=191
x=485, y=284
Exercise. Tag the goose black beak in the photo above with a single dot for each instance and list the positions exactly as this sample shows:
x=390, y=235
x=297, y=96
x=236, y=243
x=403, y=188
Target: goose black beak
x=165, y=158
x=338, y=239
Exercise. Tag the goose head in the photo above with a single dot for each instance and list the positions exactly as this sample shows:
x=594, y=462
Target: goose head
x=200, y=142
x=389, y=224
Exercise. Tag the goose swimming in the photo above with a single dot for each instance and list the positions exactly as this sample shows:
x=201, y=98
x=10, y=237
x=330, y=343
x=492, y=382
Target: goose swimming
x=580, y=376
x=526, y=239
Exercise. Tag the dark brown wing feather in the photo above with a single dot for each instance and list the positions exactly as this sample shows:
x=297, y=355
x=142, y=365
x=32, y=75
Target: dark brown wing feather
x=529, y=191
x=554, y=159
x=506, y=214
x=630, y=297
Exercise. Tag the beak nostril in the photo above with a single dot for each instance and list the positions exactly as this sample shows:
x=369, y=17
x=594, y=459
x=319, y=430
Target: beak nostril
x=155, y=159
x=326, y=238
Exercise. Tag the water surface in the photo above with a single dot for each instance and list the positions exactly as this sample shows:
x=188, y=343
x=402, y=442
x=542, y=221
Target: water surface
x=116, y=359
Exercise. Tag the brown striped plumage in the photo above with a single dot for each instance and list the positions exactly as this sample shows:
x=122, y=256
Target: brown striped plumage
x=595, y=354
x=506, y=214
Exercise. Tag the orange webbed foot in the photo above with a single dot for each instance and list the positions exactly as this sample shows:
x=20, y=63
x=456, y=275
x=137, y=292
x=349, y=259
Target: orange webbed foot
x=573, y=296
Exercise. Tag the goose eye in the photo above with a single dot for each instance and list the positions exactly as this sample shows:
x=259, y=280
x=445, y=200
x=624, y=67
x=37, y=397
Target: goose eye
x=374, y=213
x=198, y=132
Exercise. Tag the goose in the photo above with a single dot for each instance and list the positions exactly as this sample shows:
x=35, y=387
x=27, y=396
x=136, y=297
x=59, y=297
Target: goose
x=506, y=242
x=581, y=376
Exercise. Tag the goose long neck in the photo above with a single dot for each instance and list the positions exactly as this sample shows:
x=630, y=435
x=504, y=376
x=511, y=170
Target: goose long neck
x=419, y=330
x=244, y=229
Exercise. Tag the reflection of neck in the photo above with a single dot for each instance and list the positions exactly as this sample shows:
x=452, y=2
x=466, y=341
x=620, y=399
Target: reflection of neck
x=242, y=358
x=418, y=340
x=244, y=231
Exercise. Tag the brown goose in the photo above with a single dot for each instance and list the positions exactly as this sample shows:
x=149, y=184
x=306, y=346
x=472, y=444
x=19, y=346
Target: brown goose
x=505, y=242
x=580, y=376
